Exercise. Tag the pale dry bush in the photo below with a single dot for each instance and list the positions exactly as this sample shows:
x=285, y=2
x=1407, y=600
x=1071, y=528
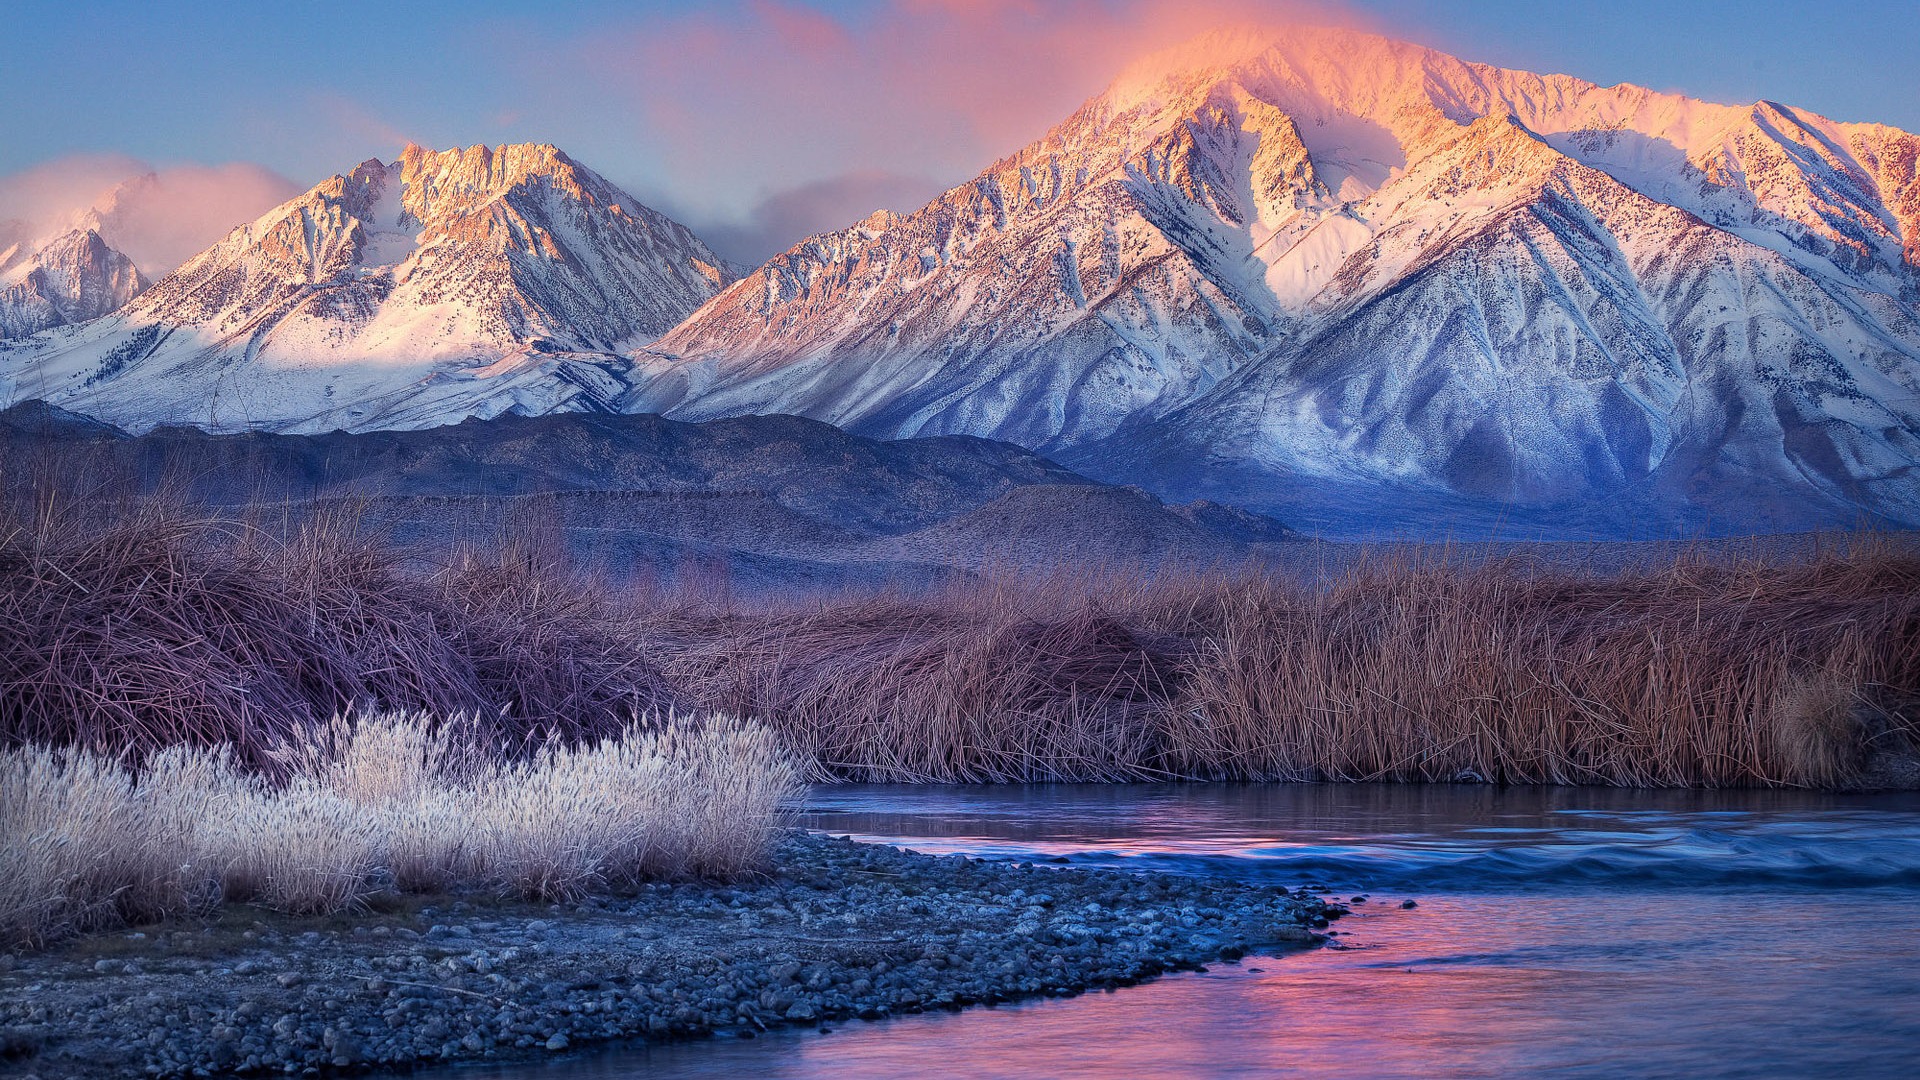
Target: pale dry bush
x=402, y=770
x=728, y=780
x=387, y=802
x=302, y=849
x=188, y=814
x=683, y=797
x=59, y=814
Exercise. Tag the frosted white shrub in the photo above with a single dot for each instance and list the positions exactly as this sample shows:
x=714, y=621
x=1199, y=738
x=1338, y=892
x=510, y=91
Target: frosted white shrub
x=388, y=802
x=60, y=818
x=689, y=798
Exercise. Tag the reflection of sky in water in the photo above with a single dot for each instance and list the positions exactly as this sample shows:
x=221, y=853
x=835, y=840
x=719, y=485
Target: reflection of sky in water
x=1675, y=933
x=1435, y=837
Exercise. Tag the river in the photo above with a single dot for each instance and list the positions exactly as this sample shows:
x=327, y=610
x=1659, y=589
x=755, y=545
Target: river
x=1572, y=931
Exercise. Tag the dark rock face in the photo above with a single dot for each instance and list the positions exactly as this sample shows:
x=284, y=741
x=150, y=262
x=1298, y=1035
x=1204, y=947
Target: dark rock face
x=771, y=500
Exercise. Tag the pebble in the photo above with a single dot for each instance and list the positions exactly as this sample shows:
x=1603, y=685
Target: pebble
x=845, y=930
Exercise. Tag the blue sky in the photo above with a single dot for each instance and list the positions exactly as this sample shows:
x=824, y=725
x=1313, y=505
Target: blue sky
x=643, y=91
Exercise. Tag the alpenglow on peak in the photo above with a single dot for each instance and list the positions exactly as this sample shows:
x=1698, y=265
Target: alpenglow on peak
x=398, y=294
x=1301, y=268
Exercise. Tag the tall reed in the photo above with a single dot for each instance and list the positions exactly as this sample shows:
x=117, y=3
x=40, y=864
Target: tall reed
x=155, y=628
x=140, y=628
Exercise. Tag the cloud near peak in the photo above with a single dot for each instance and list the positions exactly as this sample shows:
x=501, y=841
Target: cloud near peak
x=159, y=217
x=915, y=88
x=784, y=217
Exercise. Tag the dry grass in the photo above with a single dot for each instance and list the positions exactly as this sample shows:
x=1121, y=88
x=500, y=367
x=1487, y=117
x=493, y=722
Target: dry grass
x=388, y=803
x=1698, y=674
x=154, y=628
x=149, y=626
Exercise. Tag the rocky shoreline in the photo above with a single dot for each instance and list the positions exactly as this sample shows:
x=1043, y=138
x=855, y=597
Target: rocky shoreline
x=837, y=930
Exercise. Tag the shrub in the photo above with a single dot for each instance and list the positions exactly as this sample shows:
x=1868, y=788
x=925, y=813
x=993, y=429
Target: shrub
x=385, y=803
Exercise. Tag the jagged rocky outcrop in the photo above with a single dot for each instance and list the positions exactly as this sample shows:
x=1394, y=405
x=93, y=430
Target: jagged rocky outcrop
x=402, y=294
x=74, y=277
x=1302, y=267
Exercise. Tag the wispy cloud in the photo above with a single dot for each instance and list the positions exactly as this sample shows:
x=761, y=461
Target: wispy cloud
x=53, y=191
x=934, y=88
x=159, y=217
x=817, y=206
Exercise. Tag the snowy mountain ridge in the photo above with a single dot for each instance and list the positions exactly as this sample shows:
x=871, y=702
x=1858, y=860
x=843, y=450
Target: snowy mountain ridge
x=1293, y=269
x=1273, y=262
x=403, y=294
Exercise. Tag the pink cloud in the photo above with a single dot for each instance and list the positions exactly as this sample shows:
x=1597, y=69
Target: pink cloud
x=919, y=87
x=40, y=197
x=158, y=217
x=816, y=206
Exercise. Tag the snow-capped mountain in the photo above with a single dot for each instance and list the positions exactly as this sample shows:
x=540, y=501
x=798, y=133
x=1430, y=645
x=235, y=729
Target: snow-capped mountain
x=1275, y=263
x=1352, y=280
x=71, y=278
x=404, y=294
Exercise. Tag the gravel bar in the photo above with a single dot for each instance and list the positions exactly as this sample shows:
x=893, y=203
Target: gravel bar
x=836, y=930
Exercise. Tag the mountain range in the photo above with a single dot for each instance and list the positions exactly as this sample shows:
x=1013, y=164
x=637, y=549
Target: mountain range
x=1355, y=282
x=403, y=294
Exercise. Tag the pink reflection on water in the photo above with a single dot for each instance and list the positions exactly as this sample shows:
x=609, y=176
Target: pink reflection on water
x=1494, y=975
x=1456, y=987
x=1460, y=986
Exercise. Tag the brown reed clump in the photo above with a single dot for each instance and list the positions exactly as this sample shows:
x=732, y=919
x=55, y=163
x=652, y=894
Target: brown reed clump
x=1700, y=673
x=154, y=628
x=955, y=687
x=141, y=629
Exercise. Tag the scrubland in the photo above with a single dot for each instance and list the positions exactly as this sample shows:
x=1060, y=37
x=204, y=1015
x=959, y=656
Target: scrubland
x=198, y=708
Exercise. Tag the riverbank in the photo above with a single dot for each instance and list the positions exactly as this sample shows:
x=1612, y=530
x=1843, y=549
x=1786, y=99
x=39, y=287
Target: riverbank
x=1559, y=932
x=837, y=930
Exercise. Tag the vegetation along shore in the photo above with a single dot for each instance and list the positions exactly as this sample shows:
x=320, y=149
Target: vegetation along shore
x=290, y=798
x=150, y=626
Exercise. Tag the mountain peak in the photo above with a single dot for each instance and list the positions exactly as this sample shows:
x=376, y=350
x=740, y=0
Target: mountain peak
x=1326, y=256
x=71, y=278
x=475, y=274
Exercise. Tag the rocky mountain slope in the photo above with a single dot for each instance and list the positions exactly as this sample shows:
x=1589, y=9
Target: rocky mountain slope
x=403, y=294
x=776, y=501
x=1292, y=266
x=74, y=277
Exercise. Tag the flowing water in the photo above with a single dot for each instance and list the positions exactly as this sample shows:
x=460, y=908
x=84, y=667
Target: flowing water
x=1564, y=931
